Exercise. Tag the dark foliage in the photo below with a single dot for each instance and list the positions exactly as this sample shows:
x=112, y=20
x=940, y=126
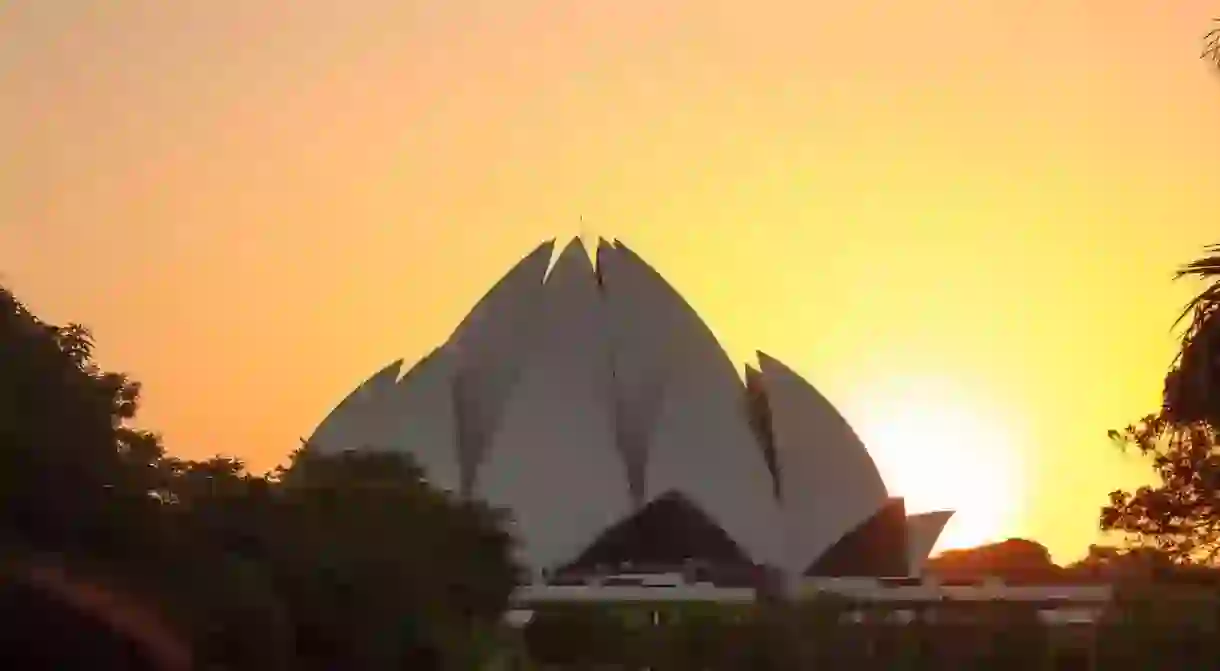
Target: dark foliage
x=1140, y=630
x=816, y=635
x=1015, y=560
x=70, y=472
x=1178, y=515
x=1190, y=394
x=337, y=561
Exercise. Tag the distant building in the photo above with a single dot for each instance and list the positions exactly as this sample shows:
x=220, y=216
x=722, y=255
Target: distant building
x=596, y=406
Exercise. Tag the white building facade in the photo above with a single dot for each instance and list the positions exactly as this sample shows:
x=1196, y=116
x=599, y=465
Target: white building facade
x=582, y=398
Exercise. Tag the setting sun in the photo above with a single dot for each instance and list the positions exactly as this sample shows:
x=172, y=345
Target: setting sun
x=939, y=450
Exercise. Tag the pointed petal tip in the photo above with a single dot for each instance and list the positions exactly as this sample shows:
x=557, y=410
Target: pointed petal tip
x=394, y=367
x=573, y=257
x=940, y=512
x=574, y=246
x=545, y=247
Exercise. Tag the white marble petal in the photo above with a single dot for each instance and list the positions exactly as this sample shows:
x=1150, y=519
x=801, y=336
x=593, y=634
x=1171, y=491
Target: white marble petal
x=923, y=530
x=828, y=481
x=490, y=346
x=360, y=420
x=424, y=420
x=553, y=460
x=701, y=444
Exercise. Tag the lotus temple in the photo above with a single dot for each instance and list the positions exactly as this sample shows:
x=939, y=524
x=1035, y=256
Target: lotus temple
x=594, y=405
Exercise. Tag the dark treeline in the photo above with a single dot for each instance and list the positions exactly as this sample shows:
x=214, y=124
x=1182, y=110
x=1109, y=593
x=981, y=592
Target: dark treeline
x=1019, y=561
x=1140, y=631
x=342, y=562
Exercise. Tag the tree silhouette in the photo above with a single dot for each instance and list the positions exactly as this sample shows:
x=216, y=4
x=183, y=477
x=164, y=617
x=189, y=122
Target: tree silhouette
x=376, y=567
x=1191, y=386
x=347, y=560
x=76, y=480
x=1180, y=515
x=74, y=477
x=1190, y=393
x=1014, y=560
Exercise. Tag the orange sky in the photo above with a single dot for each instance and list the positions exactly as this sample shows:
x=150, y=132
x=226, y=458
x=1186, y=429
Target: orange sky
x=943, y=213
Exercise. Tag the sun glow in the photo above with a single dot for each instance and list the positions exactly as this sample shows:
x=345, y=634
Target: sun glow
x=939, y=450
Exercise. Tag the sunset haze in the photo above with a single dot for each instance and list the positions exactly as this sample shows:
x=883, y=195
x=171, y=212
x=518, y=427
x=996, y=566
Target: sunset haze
x=959, y=219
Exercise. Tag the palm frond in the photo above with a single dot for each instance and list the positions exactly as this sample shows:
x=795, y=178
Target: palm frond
x=1211, y=44
x=1204, y=268
x=1207, y=265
